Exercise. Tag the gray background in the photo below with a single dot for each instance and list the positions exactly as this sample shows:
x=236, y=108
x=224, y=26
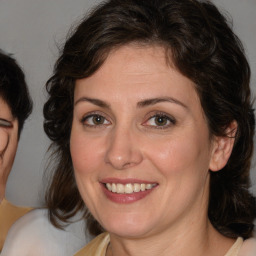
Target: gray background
x=32, y=31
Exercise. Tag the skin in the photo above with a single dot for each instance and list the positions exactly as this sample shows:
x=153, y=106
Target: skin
x=8, y=144
x=129, y=143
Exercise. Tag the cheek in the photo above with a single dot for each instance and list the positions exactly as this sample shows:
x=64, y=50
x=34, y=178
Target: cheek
x=13, y=150
x=177, y=155
x=85, y=153
x=7, y=158
x=3, y=140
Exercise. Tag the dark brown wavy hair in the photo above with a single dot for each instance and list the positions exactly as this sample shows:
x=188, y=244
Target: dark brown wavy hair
x=14, y=90
x=200, y=42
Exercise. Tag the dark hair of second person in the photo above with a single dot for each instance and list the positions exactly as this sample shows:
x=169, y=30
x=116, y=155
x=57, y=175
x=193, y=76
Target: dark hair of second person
x=13, y=89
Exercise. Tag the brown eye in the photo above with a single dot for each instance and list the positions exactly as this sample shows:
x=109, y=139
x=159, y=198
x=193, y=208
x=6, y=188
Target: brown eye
x=98, y=120
x=95, y=120
x=161, y=120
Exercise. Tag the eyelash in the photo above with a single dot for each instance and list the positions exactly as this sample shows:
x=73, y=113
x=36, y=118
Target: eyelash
x=167, y=119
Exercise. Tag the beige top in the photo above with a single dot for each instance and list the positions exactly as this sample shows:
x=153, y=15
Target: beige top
x=98, y=247
x=9, y=213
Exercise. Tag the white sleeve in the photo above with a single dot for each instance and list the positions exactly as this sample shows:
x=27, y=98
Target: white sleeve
x=248, y=248
x=34, y=235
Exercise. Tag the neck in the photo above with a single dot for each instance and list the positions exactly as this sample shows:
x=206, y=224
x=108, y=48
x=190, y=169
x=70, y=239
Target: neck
x=203, y=240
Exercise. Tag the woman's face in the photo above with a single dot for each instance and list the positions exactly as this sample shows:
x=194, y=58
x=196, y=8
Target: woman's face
x=140, y=144
x=8, y=143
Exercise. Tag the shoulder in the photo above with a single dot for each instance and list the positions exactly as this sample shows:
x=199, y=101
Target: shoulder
x=248, y=248
x=96, y=247
x=9, y=214
x=12, y=211
x=35, y=228
x=8, y=205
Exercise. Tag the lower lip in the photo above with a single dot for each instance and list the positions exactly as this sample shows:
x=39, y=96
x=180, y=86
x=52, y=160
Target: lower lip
x=126, y=198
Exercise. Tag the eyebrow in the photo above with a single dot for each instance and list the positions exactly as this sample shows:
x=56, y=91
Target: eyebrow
x=140, y=104
x=96, y=102
x=153, y=101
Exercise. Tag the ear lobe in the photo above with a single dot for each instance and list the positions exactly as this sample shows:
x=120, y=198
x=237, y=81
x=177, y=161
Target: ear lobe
x=222, y=148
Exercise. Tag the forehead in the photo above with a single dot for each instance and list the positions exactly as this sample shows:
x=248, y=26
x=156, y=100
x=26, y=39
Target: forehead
x=138, y=72
x=5, y=110
x=138, y=60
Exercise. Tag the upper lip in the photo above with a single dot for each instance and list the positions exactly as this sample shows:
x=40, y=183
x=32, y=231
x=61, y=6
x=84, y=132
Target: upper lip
x=126, y=181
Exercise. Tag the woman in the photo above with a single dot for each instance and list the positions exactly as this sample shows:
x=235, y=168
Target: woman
x=15, y=107
x=150, y=115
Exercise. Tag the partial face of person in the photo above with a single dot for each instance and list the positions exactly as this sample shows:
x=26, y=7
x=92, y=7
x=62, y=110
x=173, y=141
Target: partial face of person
x=8, y=143
x=140, y=144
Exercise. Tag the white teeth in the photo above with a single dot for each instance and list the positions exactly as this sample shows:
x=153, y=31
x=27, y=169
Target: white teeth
x=148, y=186
x=128, y=188
x=113, y=187
x=136, y=187
x=109, y=187
x=119, y=188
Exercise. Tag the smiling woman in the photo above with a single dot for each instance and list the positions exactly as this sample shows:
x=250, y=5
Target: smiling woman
x=150, y=115
x=140, y=143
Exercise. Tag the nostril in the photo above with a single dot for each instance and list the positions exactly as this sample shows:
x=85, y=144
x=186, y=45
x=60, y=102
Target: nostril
x=122, y=151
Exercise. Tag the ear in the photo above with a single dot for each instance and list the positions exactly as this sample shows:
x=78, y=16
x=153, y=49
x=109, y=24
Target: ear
x=222, y=148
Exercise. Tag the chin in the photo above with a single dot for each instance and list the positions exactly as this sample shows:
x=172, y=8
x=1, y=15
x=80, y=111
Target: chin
x=128, y=227
x=129, y=232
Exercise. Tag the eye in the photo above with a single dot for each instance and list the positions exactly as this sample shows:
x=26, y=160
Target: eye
x=95, y=120
x=160, y=121
x=5, y=123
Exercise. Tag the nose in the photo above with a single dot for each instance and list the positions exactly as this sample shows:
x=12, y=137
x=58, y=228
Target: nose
x=123, y=149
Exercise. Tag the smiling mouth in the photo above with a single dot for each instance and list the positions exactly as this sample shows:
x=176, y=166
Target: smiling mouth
x=129, y=188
